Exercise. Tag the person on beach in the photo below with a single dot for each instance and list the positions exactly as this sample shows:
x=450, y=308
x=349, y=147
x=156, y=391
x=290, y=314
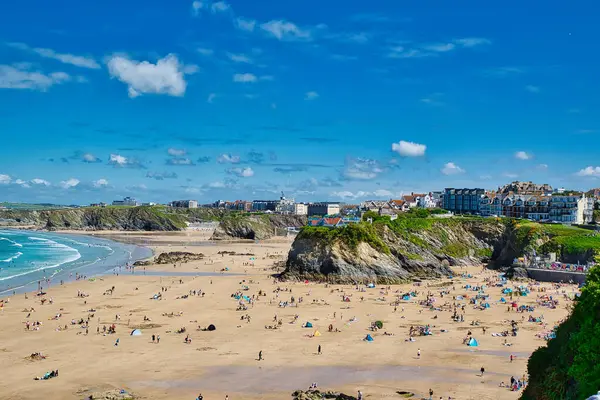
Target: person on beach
x=359, y=396
x=482, y=371
x=260, y=356
x=117, y=343
x=157, y=339
x=419, y=353
x=430, y=394
x=319, y=350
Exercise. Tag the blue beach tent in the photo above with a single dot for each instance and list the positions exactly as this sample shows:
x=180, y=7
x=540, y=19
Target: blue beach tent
x=308, y=325
x=473, y=342
x=369, y=338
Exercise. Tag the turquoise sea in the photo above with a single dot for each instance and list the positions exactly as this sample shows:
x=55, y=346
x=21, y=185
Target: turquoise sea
x=29, y=257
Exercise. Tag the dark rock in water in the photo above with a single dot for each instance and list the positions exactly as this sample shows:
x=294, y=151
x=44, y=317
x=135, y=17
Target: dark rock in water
x=172, y=258
x=318, y=395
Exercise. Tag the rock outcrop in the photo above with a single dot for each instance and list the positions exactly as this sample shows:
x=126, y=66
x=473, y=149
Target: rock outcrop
x=318, y=395
x=256, y=226
x=380, y=253
x=173, y=257
x=412, y=248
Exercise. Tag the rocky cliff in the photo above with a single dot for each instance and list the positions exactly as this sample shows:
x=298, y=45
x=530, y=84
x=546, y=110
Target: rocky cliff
x=232, y=225
x=256, y=226
x=391, y=252
x=408, y=248
x=95, y=218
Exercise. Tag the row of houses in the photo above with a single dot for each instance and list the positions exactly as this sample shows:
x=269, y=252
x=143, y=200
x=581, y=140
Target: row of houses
x=404, y=203
x=281, y=206
x=522, y=200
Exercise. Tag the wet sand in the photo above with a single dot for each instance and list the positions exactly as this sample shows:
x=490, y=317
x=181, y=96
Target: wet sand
x=225, y=361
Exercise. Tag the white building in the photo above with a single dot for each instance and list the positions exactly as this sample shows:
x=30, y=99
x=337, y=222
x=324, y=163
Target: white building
x=127, y=201
x=300, y=209
x=428, y=201
x=571, y=208
x=184, y=204
x=321, y=209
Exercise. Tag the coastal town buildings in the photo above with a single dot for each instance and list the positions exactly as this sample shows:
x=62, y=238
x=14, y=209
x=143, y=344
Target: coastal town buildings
x=184, y=204
x=127, y=201
x=322, y=209
x=462, y=201
x=300, y=209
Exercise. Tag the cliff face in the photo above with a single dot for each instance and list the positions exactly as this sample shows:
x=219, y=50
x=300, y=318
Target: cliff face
x=389, y=251
x=389, y=254
x=117, y=218
x=256, y=226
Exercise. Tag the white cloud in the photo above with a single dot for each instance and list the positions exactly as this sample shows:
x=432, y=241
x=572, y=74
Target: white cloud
x=228, y=158
x=239, y=58
x=440, y=47
x=350, y=195
x=510, y=175
x=196, y=7
x=22, y=77
x=409, y=149
x=245, y=24
x=588, y=171
x=216, y=185
x=452, y=169
x=361, y=169
x=193, y=190
x=22, y=183
x=38, y=181
x=100, y=183
x=176, y=152
x=211, y=98
x=66, y=58
x=383, y=193
x=542, y=167
x=285, y=30
x=89, y=158
x=167, y=76
x=311, y=96
x=219, y=6
x=522, y=155
x=402, y=52
x=532, y=89
x=183, y=161
x=245, y=78
x=69, y=183
x=472, y=41
x=118, y=160
x=241, y=172
x=205, y=52
x=79, y=61
x=5, y=179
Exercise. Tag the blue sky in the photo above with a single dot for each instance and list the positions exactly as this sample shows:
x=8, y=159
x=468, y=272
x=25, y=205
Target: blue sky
x=322, y=100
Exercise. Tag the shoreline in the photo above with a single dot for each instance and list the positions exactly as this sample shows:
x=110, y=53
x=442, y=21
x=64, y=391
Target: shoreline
x=64, y=275
x=167, y=299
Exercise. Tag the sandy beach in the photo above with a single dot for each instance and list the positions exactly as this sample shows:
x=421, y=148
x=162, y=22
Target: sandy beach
x=225, y=361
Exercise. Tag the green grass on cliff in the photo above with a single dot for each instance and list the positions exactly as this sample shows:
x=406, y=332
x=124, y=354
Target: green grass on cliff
x=568, y=368
x=564, y=239
x=351, y=235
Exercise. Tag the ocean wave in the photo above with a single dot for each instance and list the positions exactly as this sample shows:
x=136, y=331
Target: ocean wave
x=17, y=255
x=41, y=268
x=12, y=242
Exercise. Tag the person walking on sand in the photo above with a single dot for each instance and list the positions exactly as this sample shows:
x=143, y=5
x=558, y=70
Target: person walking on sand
x=117, y=343
x=157, y=339
x=430, y=394
x=319, y=350
x=511, y=358
x=360, y=396
x=418, y=353
x=260, y=356
x=482, y=371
